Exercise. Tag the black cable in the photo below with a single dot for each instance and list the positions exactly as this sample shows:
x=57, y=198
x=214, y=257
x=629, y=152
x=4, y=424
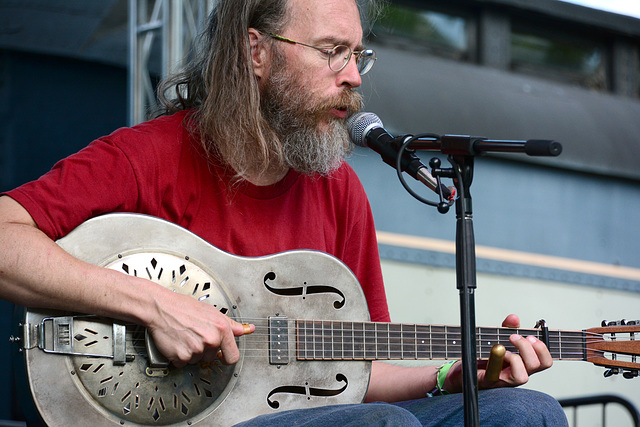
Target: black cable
x=401, y=151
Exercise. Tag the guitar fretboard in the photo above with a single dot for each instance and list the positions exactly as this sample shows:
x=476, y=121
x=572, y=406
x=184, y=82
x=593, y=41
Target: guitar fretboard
x=337, y=340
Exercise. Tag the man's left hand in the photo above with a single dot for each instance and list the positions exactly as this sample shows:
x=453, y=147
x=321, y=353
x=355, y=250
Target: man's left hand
x=532, y=356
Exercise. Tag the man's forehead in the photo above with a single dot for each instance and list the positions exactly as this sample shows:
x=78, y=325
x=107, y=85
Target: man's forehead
x=326, y=19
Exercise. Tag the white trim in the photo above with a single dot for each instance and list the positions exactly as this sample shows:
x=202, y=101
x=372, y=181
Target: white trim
x=517, y=257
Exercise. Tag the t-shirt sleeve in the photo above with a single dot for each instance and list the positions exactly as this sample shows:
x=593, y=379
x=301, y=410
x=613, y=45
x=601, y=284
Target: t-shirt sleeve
x=132, y=170
x=96, y=180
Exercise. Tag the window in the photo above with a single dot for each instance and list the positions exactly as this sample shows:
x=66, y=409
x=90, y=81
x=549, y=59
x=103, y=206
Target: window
x=558, y=56
x=439, y=33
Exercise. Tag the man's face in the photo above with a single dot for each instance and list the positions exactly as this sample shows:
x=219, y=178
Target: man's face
x=304, y=101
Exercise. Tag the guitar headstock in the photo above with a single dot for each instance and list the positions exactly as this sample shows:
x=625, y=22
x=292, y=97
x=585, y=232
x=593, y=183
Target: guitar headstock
x=615, y=345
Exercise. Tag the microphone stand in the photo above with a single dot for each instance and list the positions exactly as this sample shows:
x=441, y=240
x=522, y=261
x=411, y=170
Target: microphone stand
x=462, y=151
x=466, y=284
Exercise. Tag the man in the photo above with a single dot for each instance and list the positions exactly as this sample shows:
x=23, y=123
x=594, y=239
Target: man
x=252, y=162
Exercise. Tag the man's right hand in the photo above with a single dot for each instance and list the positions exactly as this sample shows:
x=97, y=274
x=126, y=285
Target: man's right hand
x=188, y=331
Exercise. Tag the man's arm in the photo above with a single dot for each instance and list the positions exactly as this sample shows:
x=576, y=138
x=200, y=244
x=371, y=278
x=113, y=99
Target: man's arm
x=36, y=272
x=392, y=383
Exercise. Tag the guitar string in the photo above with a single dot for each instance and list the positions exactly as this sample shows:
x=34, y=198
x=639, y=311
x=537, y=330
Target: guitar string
x=429, y=331
x=433, y=353
x=435, y=348
x=452, y=334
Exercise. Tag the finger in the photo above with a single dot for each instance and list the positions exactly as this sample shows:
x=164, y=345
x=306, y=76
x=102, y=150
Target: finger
x=511, y=321
x=209, y=355
x=228, y=346
x=542, y=352
x=535, y=354
x=527, y=353
x=240, y=329
x=178, y=363
x=515, y=373
x=248, y=329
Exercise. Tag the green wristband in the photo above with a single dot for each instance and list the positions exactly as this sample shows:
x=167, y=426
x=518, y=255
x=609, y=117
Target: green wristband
x=442, y=376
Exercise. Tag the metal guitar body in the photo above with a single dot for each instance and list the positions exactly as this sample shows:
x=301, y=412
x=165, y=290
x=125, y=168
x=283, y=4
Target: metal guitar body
x=90, y=371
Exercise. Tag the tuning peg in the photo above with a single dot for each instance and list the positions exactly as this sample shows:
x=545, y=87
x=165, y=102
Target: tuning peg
x=610, y=372
x=614, y=323
x=630, y=374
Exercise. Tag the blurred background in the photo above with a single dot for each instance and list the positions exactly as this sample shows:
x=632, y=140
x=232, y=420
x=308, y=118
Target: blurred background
x=557, y=238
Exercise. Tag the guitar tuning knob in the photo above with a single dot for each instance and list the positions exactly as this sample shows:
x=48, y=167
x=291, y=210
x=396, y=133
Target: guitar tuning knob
x=610, y=372
x=630, y=374
x=622, y=322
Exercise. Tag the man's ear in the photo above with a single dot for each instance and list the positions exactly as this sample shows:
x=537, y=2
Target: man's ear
x=259, y=53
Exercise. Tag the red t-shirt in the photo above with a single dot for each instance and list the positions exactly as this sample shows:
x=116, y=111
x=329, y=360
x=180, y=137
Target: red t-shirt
x=158, y=168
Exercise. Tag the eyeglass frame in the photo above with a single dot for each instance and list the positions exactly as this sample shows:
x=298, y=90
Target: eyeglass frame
x=328, y=51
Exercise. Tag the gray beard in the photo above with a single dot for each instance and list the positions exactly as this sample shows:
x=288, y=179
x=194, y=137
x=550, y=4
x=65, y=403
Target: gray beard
x=311, y=151
x=305, y=148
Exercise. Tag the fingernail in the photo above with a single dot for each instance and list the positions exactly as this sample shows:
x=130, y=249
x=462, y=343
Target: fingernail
x=532, y=339
x=516, y=337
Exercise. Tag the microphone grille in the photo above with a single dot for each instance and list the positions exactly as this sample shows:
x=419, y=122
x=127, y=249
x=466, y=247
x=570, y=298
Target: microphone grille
x=359, y=126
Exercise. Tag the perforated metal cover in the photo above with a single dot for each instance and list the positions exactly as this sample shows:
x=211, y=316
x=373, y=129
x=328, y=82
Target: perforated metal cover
x=136, y=392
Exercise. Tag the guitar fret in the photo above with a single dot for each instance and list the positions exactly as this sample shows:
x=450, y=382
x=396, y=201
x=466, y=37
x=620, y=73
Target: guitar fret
x=310, y=340
x=396, y=344
x=369, y=341
x=554, y=343
x=348, y=341
x=358, y=341
x=487, y=338
x=300, y=340
x=382, y=341
x=438, y=342
x=317, y=342
x=423, y=344
x=557, y=345
x=446, y=342
x=455, y=342
x=327, y=336
x=338, y=341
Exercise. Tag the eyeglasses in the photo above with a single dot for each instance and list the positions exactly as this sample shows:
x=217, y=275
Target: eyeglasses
x=340, y=55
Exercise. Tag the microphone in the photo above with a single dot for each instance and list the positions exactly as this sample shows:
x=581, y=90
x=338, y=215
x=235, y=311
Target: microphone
x=366, y=130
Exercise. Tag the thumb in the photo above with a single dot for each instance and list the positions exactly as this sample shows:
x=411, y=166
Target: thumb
x=511, y=321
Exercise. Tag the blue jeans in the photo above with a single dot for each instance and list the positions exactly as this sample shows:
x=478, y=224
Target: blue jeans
x=497, y=407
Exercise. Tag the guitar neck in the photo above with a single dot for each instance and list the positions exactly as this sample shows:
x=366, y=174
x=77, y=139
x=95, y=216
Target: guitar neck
x=338, y=340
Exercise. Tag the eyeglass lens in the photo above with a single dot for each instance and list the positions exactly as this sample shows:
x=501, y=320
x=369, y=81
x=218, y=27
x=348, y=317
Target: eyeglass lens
x=341, y=55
